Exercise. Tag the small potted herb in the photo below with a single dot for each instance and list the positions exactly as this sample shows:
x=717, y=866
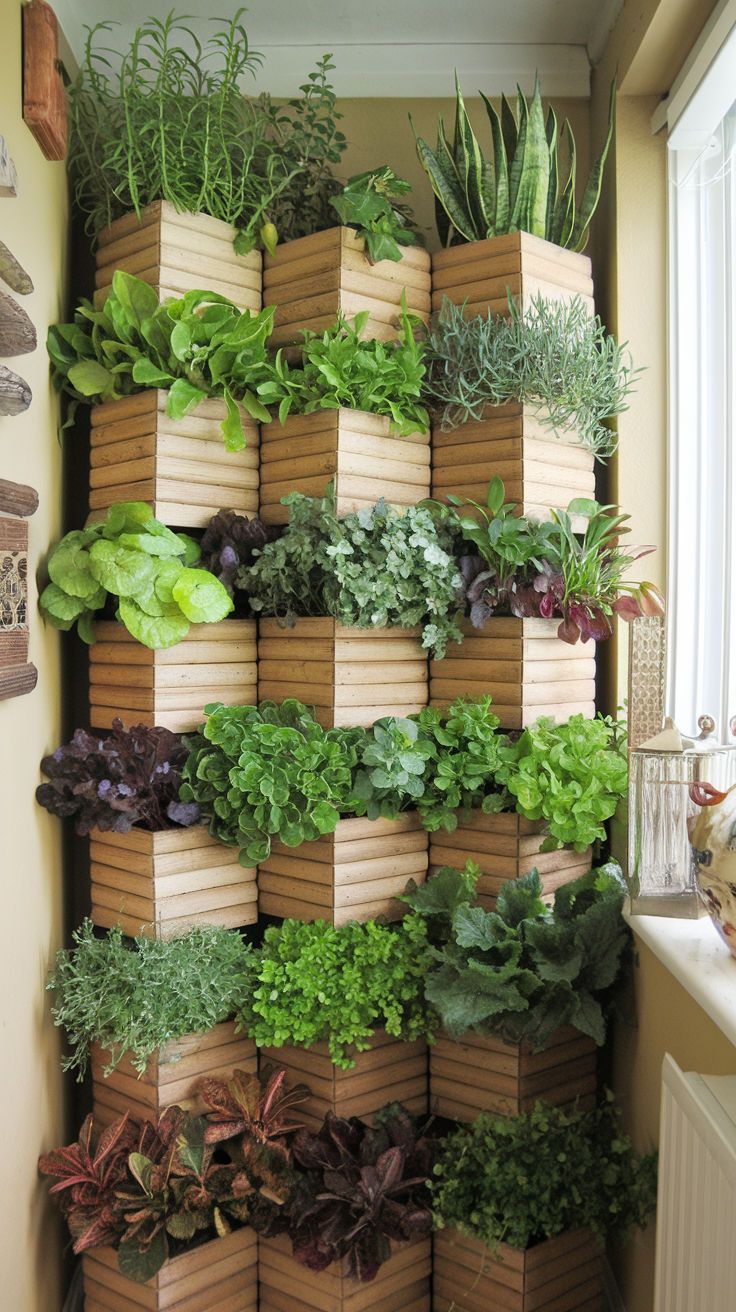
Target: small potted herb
x=524, y=1204
x=132, y=1009
x=522, y=992
x=153, y=867
x=359, y=1214
x=342, y=1008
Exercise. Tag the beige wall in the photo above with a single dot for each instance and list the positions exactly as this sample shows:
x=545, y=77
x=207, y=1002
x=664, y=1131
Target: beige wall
x=647, y=48
x=379, y=132
x=33, y=225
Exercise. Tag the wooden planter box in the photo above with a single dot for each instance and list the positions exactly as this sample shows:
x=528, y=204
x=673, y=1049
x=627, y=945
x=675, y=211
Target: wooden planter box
x=527, y=670
x=178, y=253
x=214, y=663
x=350, y=676
x=483, y=273
x=352, y=450
x=402, y=1283
x=505, y=846
x=312, y=279
x=180, y=467
x=541, y=472
x=560, y=1275
x=354, y=874
x=390, y=1071
x=218, y=1276
x=480, y=1073
x=161, y=884
x=172, y=1075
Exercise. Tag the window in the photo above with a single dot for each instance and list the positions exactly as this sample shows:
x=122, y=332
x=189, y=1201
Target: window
x=702, y=423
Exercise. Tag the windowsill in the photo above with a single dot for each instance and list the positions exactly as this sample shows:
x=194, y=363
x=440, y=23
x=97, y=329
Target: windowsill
x=692, y=951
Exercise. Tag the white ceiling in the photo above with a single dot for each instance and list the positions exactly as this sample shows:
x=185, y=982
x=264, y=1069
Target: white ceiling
x=395, y=47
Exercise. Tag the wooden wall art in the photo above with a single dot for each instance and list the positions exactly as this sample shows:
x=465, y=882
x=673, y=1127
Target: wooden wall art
x=17, y=675
x=8, y=175
x=15, y=394
x=17, y=333
x=44, y=99
x=12, y=272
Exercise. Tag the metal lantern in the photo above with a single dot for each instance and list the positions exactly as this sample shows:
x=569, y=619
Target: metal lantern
x=661, y=870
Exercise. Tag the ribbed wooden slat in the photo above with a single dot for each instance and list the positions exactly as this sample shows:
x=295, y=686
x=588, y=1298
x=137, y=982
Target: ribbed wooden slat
x=402, y=1283
x=218, y=1276
x=484, y=273
x=563, y=1274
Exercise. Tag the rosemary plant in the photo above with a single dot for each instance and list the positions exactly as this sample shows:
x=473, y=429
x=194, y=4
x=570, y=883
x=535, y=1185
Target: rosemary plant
x=554, y=357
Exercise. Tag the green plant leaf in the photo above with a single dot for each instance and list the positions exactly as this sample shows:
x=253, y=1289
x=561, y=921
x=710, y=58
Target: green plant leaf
x=201, y=597
x=141, y=1264
x=156, y=632
x=121, y=570
x=183, y=397
x=137, y=298
x=591, y=195
x=90, y=378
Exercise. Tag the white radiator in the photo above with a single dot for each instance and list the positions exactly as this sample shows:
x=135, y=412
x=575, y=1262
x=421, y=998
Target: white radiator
x=696, y=1211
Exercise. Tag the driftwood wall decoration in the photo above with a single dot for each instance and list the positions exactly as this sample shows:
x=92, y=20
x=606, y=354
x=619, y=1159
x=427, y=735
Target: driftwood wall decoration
x=8, y=175
x=15, y=394
x=13, y=273
x=17, y=674
x=44, y=99
x=17, y=334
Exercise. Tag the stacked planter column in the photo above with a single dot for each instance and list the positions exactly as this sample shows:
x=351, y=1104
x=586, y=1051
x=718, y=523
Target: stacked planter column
x=163, y=883
x=528, y=672
x=351, y=677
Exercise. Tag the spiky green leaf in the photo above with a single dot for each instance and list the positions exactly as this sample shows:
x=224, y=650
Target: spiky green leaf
x=592, y=192
x=501, y=171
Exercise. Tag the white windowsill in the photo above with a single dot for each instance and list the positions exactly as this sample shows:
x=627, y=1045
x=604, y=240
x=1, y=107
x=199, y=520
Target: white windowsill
x=693, y=952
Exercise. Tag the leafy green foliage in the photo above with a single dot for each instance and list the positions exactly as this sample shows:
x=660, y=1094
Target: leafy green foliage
x=519, y=188
x=315, y=982
x=131, y=777
x=262, y=771
x=167, y=118
x=376, y=567
x=393, y=762
x=570, y=775
x=198, y=346
x=371, y=202
x=133, y=996
x=523, y=970
x=134, y=557
x=340, y=367
x=553, y=356
x=463, y=765
x=522, y=1179
x=362, y=1188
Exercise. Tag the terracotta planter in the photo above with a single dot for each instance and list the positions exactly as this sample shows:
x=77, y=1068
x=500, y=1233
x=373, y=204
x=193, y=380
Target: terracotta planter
x=540, y=472
x=171, y=1076
x=390, y=1071
x=505, y=846
x=177, y=253
x=161, y=884
x=483, y=273
x=219, y=1276
x=480, y=1073
x=559, y=1275
x=354, y=874
x=180, y=467
x=214, y=663
x=312, y=279
x=350, y=676
x=402, y=1283
x=527, y=670
x=354, y=451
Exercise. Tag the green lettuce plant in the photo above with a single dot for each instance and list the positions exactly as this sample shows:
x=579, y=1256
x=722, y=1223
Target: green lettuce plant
x=316, y=982
x=518, y=188
x=519, y=1180
x=259, y=772
x=150, y=570
x=376, y=567
x=371, y=202
x=342, y=368
x=133, y=996
x=570, y=775
x=525, y=970
x=198, y=346
x=552, y=355
x=462, y=768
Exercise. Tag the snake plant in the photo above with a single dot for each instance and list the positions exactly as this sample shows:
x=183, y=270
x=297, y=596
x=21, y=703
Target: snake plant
x=520, y=186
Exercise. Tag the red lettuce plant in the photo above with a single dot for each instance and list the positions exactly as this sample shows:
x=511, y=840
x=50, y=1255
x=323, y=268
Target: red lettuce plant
x=130, y=777
x=231, y=541
x=363, y=1187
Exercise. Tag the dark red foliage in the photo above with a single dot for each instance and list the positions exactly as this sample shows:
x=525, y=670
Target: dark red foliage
x=89, y=1173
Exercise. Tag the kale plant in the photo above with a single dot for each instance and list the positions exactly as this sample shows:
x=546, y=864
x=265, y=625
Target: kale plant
x=316, y=982
x=375, y=568
x=111, y=783
x=135, y=558
x=133, y=996
x=522, y=1179
x=553, y=356
x=523, y=971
